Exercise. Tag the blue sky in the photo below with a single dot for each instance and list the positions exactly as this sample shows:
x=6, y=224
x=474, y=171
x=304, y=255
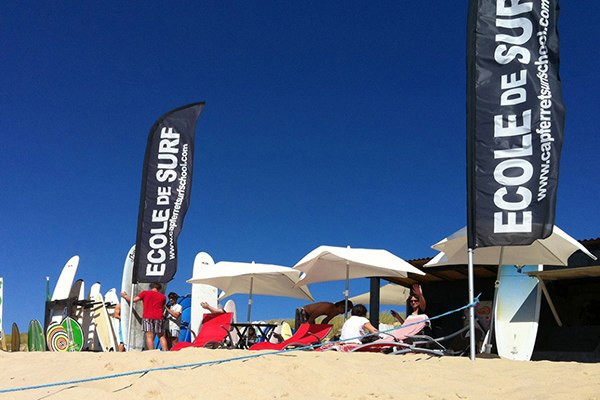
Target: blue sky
x=338, y=123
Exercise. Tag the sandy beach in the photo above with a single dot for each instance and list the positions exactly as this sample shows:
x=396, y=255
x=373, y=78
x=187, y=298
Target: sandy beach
x=292, y=375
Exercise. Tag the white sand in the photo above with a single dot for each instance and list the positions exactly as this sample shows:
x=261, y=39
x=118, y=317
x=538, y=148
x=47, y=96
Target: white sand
x=293, y=375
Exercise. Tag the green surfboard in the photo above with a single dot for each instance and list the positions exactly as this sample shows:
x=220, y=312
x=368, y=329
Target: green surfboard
x=74, y=334
x=37, y=342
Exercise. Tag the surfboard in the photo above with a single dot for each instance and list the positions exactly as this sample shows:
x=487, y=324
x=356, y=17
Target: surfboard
x=517, y=311
x=131, y=317
x=74, y=334
x=36, y=340
x=102, y=323
x=56, y=337
x=88, y=326
x=201, y=293
x=78, y=293
x=3, y=340
x=126, y=287
x=186, y=312
x=229, y=307
x=63, y=287
x=286, y=331
x=111, y=299
x=15, y=338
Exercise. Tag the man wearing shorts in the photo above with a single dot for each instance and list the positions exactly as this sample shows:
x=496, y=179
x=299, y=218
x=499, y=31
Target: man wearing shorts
x=152, y=318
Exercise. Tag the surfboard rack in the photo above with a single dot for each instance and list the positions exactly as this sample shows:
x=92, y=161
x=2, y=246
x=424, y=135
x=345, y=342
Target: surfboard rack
x=59, y=305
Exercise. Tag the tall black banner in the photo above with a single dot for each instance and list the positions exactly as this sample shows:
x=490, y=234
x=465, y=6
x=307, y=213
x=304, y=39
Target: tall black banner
x=166, y=189
x=515, y=120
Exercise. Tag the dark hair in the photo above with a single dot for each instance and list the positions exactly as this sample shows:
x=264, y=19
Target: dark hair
x=342, y=304
x=359, y=310
x=155, y=285
x=173, y=295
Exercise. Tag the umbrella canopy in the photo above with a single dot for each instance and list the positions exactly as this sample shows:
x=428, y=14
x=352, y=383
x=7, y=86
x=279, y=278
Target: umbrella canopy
x=329, y=263
x=554, y=250
x=253, y=278
x=390, y=294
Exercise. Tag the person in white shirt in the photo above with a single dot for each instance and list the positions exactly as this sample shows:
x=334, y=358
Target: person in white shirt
x=173, y=320
x=357, y=325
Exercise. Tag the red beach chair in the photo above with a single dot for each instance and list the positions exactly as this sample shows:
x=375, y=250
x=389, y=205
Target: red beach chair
x=306, y=335
x=212, y=334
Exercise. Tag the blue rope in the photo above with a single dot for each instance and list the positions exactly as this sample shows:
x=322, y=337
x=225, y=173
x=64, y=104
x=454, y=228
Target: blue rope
x=200, y=364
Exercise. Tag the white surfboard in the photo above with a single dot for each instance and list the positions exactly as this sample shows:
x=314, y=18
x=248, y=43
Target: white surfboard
x=229, y=307
x=131, y=316
x=126, y=287
x=517, y=311
x=201, y=293
x=88, y=326
x=63, y=287
x=78, y=292
x=103, y=328
x=110, y=301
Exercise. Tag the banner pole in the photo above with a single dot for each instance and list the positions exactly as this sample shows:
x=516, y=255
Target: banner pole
x=129, y=319
x=471, y=309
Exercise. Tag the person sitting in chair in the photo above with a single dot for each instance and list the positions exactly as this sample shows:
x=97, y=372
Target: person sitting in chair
x=416, y=301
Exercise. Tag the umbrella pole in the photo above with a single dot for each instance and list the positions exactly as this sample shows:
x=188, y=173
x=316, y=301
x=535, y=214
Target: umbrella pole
x=347, y=291
x=250, y=299
x=471, y=309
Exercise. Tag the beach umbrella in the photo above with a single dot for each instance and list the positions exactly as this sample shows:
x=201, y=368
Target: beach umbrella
x=329, y=263
x=390, y=294
x=554, y=250
x=253, y=278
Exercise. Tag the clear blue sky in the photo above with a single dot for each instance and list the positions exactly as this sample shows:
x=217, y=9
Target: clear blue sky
x=326, y=122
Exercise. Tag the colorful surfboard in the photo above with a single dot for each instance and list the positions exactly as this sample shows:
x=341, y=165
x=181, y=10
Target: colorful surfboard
x=56, y=337
x=36, y=340
x=201, y=293
x=15, y=338
x=517, y=311
x=74, y=334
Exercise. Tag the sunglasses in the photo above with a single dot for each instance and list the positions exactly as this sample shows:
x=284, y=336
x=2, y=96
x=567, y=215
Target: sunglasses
x=414, y=301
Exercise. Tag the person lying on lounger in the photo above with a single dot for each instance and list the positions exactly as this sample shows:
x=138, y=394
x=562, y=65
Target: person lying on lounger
x=309, y=313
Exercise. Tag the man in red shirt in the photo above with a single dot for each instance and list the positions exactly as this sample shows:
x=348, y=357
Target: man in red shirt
x=152, y=318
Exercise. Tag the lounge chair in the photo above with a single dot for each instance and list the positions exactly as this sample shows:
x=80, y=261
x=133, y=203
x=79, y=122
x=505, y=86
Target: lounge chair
x=459, y=344
x=412, y=325
x=306, y=335
x=212, y=334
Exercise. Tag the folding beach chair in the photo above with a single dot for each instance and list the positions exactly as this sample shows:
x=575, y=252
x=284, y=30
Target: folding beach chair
x=412, y=325
x=306, y=335
x=212, y=334
x=459, y=344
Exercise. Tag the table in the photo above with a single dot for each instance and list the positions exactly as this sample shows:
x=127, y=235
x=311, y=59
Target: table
x=242, y=331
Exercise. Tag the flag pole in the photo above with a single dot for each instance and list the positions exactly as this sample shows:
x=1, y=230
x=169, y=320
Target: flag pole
x=471, y=309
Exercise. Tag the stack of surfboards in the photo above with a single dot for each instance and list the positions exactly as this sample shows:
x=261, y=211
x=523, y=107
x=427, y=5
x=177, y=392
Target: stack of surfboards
x=89, y=325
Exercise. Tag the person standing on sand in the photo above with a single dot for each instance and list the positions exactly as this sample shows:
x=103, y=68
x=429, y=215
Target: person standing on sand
x=121, y=347
x=152, y=318
x=173, y=319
